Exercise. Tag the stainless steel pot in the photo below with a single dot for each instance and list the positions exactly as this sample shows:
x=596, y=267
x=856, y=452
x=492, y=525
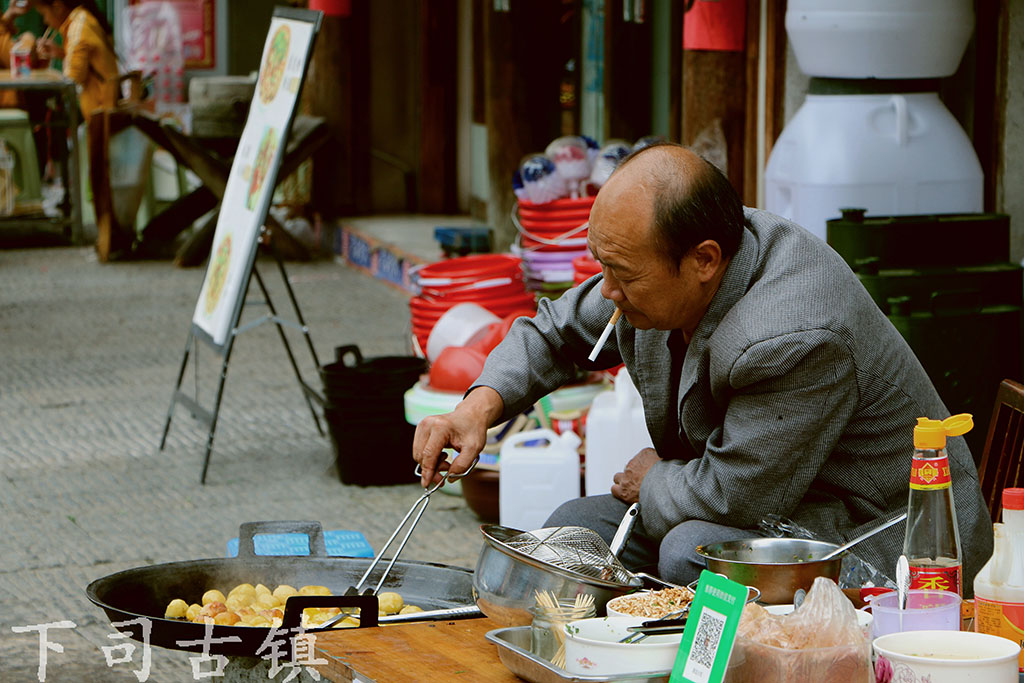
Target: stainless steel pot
x=778, y=567
x=505, y=581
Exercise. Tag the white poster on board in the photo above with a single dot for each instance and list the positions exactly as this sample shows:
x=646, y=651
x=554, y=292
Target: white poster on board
x=253, y=175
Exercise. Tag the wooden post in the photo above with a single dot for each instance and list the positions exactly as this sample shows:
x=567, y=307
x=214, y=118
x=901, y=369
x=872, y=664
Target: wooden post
x=523, y=68
x=438, y=67
x=715, y=86
x=627, y=88
x=337, y=88
x=775, y=73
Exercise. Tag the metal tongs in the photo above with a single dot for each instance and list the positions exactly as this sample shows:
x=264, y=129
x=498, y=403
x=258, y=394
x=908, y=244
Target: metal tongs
x=417, y=509
x=673, y=622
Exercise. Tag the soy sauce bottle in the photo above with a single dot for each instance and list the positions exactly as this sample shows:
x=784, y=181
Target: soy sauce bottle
x=932, y=541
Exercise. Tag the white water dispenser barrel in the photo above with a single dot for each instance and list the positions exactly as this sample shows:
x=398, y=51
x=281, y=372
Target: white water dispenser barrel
x=540, y=470
x=879, y=38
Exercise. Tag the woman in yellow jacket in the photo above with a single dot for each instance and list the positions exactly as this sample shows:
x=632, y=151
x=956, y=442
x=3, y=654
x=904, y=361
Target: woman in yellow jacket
x=88, y=51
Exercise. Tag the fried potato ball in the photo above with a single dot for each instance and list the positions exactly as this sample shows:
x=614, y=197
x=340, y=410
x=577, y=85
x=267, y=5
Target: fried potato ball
x=176, y=609
x=212, y=609
x=409, y=609
x=238, y=602
x=213, y=595
x=242, y=589
x=284, y=591
x=265, y=601
x=226, y=619
x=390, y=602
x=259, y=606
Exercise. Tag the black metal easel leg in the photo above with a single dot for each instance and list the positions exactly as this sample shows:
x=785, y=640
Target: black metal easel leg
x=216, y=404
x=177, y=386
x=287, y=346
x=295, y=307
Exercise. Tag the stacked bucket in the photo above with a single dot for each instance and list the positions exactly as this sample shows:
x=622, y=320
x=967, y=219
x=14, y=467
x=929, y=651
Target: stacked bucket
x=583, y=268
x=550, y=237
x=494, y=281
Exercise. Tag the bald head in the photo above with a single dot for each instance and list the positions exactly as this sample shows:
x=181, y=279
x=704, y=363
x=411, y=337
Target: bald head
x=690, y=200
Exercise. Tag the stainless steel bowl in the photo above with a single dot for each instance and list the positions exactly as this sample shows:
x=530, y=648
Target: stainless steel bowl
x=505, y=581
x=778, y=567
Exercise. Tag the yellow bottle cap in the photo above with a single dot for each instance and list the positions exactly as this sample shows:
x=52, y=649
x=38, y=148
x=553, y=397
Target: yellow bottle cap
x=932, y=434
x=958, y=425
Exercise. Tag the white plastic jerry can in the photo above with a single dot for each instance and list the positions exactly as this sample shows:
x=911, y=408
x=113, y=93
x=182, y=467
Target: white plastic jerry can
x=616, y=431
x=540, y=470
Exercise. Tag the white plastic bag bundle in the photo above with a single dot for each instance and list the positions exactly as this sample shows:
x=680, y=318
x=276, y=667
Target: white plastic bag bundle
x=819, y=641
x=152, y=44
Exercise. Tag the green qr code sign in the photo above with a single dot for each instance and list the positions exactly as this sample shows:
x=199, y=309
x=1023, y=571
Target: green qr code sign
x=710, y=630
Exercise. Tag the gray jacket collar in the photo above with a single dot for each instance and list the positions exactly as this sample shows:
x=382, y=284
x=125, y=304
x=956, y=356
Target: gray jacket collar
x=734, y=285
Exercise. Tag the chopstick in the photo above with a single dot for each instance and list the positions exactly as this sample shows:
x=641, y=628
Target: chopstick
x=548, y=600
x=604, y=335
x=46, y=33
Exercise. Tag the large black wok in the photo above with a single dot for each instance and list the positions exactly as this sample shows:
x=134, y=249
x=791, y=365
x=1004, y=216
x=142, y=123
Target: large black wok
x=145, y=591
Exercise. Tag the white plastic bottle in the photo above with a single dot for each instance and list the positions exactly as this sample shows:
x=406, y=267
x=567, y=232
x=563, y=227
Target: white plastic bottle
x=616, y=431
x=540, y=470
x=999, y=586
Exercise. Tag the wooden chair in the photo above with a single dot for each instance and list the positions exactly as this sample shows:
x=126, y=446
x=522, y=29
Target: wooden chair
x=1004, y=446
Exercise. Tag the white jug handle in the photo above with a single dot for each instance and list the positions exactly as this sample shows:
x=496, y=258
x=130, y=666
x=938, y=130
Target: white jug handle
x=532, y=435
x=899, y=105
x=570, y=439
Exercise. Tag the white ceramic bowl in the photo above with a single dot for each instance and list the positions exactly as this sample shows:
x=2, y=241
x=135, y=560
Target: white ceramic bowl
x=592, y=648
x=613, y=604
x=946, y=657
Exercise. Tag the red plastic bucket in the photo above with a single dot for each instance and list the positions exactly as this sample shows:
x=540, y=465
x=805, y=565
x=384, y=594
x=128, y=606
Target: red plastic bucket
x=465, y=270
x=559, y=204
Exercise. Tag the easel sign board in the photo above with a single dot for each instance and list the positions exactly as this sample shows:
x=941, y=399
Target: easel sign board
x=250, y=186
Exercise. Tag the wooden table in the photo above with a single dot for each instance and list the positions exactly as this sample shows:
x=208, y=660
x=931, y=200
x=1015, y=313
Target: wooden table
x=433, y=651
x=211, y=161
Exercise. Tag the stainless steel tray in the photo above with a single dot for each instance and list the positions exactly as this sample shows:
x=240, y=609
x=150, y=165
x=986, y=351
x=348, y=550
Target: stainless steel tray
x=514, y=651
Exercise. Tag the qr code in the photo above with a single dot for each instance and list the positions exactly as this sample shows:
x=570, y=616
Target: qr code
x=705, y=645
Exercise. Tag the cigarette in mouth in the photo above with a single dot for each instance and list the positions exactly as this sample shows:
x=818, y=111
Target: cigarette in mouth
x=604, y=335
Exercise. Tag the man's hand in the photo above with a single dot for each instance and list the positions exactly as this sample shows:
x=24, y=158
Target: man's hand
x=464, y=429
x=627, y=484
x=48, y=49
x=14, y=10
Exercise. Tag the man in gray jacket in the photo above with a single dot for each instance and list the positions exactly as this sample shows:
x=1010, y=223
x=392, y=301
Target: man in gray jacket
x=771, y=382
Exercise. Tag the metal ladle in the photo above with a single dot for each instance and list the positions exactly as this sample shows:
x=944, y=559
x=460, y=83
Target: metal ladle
x=866, y=535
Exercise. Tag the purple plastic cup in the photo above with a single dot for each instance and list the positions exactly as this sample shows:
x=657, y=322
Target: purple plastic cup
x=926, y=611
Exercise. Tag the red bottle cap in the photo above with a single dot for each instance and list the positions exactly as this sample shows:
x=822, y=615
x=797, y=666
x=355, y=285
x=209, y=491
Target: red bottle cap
x=1013, y=499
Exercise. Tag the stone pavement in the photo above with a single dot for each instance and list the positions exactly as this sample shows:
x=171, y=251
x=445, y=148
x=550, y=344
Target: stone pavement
x=88, y=358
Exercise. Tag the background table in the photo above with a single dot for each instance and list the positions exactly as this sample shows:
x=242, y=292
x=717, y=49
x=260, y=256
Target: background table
x=47, y=80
